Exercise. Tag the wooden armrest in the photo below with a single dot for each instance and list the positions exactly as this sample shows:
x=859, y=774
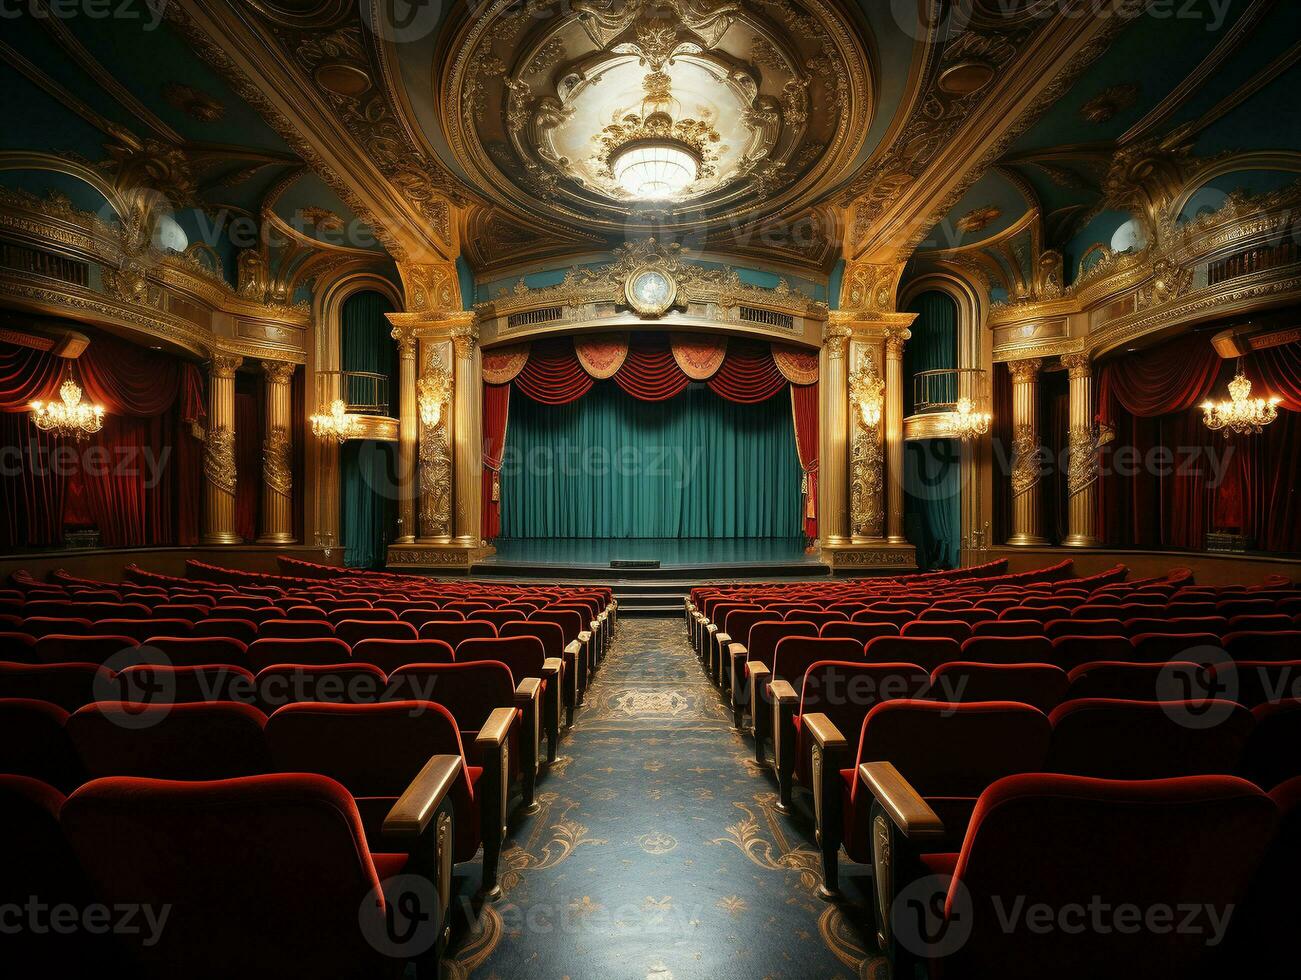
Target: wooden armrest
x=759, y=674
x=783, y=693
x=552, y=665
x=585, y=636
x=711, y=627
x=496, y=728
x=910, y=813
x=722, y=639
x=528, y=690
x=824, y=731
x=573, y=648
x=738, y=650
x=417, y=805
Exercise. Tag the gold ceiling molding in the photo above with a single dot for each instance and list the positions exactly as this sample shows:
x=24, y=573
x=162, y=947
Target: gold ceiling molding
x=527, y=96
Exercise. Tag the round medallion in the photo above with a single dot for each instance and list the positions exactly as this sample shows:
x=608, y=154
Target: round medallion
x=651, y=292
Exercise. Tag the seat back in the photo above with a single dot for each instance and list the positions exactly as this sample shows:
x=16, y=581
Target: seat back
x=524, y=655
x=1042, y=686
x=551, y=635
x=319, y=652
x=55, y=648
x=1070, y=652
x=739, y=622
x=1159, y=647
x=346, y=683
x=216, y=740
x=1122, y=681
x=236, y=629
x=928, y=652
x=389, y=655
x=34, y=742
x=470, y=691
x=155, y=684
x=1059, y=842
x=296, y=629
x=953, y=629
x=846, y=691
x=268, y=875
x=67, y=685
x=1255, y=645
x=195, y=651
x=794, y=655
x=1114, y=739
x=1008, y=650
x=355, y=631
x=418, y=617
x=1008, y=628
x=765, y=636
x=471, y=629
x=1270, y=756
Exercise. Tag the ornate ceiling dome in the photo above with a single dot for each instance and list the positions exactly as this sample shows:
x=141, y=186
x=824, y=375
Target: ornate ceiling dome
x=602, y=112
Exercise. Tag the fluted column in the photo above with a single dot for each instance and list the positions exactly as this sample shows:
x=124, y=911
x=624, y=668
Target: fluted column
x=1082, y=469
x=1027, y=455
x=468, y=418
x=277, y=467
x=219, y=476
x=833, y=459
x=894, y=344
x=408, y=433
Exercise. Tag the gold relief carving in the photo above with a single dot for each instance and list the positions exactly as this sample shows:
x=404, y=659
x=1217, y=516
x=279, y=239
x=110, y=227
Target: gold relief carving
x=223, y=365
x=867, y=483
x=1027, y=459
x=978, y=220
x=278, y=372
x=870, y=287
x=1085, y=457
x=873, y=557
x=406, y=340
x=895, y=341
x=1104, y=106
x=1025, y=371
x=883, y=883
x=430, y=287
x=1169, y=282
x=195, y=104
x=465, y=337
x=835, y=338
x=1078, y=365
x=276, y=466
x=219, y=459
x=435, y=481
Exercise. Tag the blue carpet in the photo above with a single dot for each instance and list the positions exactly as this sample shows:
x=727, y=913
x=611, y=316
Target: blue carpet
x=657, y=852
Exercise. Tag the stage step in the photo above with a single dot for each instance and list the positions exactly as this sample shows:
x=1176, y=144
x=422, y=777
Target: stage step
x=650, y=600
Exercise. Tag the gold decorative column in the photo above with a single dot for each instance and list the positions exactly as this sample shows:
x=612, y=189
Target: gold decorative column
x=467, y=414
x=833, y=459
x=408, y=433
x=277, y=468
x=1082, y=470
x=219, y=452
x=435, y=510
x=894, y=344
x=1027, y=454
x=867, y=457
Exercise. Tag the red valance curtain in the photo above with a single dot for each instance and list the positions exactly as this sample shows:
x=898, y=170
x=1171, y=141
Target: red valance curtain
x=650, y=373
x=553, y=374
x=1171, y=378
x=496, y=414
x=748, y=374
x=804, y=408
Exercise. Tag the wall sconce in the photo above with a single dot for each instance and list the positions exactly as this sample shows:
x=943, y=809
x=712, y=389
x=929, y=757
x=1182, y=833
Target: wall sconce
x=432, y=392
x=867, y=392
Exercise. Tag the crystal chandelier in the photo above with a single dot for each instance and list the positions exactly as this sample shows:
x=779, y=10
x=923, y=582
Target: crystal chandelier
x=966, y=422
x=337, y=425
x=68, y=417
x=1242, y=414
x=653, y=155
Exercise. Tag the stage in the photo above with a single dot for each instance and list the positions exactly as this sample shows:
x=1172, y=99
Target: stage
x=676, y=557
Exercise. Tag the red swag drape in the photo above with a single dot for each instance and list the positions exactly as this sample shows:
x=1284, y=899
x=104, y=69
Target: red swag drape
x=650, y=373
x=496, y=414
x=804, y=408
x=130, y=479
x=748, y=374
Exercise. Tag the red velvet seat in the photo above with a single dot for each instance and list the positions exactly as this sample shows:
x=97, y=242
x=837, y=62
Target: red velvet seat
x=1008, y=627
x=34, y=742
x=499, y=617
x=1251, y=645
x=215, y=740
x=1044, y=614
x=141, y=629
x=1061, y=842
x=1159, y=647
x=953, y=629
x=355, y=631
x=254, y=614
x=1008, y=650
x=235, y=629
x=38, y=626
x=67, y=685
x=418, y=617
x=1118, y=680
x=1115, y=739
x=1210, y=625
x=454, y=633
x=1096, y=609
x=1084, y=627
x=389, y=655
x=1041, y=685
x=862, y=632
x=327, y=650
x=375, y=750
x=972, y=617
x=343, y=683
x=818, y=619
x=154, y=684
x=928, y=652
x=65, y=649
x=362, y=614
x=1070, y=652
x=267, y=876
x=197, y=651
x=553, y=645
x=173, y=610
x=1256, y=682
x=311, y=612
x=1271, y=756
x=295, y=629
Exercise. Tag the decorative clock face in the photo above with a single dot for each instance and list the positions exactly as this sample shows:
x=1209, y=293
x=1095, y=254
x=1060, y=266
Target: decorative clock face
x=651, y=292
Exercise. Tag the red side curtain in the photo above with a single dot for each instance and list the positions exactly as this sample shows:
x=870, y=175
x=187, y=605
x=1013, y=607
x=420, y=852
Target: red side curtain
x=553, y=374
x=804, y=408
x=748, y=374
x=496, y=415
x=651, y=373
x=27, y=374
x=32, y=489
x=1171, y=378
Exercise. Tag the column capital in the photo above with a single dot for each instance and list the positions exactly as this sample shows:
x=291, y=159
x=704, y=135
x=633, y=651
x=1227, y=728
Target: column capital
x=406, y=340
x=224, y=365
x=1026, y=371
x=835, y=338
x=1078, y=365
x=278, y=372
x=465, y=337
x=896, y=339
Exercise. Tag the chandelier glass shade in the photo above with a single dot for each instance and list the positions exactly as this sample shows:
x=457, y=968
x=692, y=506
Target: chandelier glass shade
x=967, y=423
x=653, y=170
x=867, y=391
x=68, y=416
x=337, y=424
x=1241, y=414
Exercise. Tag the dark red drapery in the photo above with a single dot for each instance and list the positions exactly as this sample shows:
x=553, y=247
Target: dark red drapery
x=496, y=415
x=650, y=373
x=804, y=409
x=748, y=374
x=553, y=375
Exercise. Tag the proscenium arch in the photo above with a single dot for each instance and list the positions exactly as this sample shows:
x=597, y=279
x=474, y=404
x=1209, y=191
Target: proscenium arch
x=975, y=351
x=322, y=476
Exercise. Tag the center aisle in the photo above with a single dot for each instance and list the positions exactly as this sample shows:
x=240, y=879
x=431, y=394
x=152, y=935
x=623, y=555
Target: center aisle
x=657, y=852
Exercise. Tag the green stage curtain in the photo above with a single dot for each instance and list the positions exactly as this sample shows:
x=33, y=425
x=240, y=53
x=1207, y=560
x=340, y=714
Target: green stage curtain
x=369, y=518
x=610, y=466
x=933, y=467
x=366, y=469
